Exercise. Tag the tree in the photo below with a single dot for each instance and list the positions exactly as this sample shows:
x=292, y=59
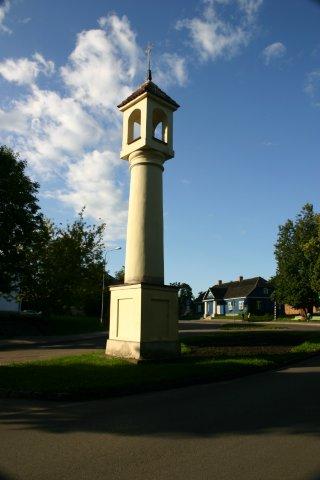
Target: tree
x=312, y=252
x=67, y=268
x=119, y=275
x=20, y=218
x=297, y=252
x=185, y=297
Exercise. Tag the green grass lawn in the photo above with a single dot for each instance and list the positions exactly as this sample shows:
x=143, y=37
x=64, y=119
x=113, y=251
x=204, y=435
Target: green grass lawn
x=221, y=356
x=72, y=325
x=16, y=325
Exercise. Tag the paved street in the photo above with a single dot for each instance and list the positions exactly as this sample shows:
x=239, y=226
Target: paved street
x=19, y=350
x=262, y=427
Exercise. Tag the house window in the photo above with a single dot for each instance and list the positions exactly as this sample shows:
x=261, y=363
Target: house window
x=230, y=306
x=259, y=304
x=241, y=303
x=265, y=291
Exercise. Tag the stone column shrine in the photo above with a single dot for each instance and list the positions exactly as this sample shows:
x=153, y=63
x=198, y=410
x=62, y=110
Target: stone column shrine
x=144, y=311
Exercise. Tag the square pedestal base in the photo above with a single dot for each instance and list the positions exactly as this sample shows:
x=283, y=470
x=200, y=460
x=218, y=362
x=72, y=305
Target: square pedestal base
x=143, y=322
x=142, y=350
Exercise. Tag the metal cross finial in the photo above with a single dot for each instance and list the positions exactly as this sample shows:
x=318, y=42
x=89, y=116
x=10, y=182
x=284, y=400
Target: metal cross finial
x=148, y=53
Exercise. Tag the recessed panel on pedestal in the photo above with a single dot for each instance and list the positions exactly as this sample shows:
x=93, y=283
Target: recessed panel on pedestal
x=125, y=317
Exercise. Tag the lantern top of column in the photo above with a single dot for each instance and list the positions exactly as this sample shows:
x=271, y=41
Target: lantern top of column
x=153, y=89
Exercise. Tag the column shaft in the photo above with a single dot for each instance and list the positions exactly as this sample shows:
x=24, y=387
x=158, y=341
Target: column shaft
x=144, y=250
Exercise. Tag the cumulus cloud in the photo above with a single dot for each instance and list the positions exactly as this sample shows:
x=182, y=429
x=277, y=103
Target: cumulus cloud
x=92, y=182
x=72, y=139
x=250, y=7
x=66, y=139
x=171, y=69
x=224, y=27
x=273, y=51
x=51, y=130
x=103, y=64
x=312, y=86
x=24, y=71
x=4, y=8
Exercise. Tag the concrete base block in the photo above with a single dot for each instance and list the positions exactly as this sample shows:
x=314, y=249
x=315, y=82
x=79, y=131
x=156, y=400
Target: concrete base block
x=142, y=350
x=143, y=322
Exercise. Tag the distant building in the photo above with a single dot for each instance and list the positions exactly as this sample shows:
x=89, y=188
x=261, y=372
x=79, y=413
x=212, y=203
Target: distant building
x=251, y=295
x=289, y=310
x=198, y=304
x=9, y=304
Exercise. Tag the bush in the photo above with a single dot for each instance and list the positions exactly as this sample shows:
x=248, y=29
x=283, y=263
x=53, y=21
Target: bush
x=267, y=317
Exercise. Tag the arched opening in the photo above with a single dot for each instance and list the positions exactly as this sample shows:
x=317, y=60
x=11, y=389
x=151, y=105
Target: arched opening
x=160, y=125
x=134, y=126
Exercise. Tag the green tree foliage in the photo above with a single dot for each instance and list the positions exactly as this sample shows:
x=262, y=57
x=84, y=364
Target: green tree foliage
x=20, y=219
x=297, y=252
x=119, y=275
x=67, y=268
x=312, y=253
x=185, y=297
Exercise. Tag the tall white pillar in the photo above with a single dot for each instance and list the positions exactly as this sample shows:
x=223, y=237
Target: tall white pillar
x=144, y=311
x=144, y=251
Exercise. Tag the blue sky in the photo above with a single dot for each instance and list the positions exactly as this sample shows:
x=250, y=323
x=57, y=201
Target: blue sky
x=247, y=76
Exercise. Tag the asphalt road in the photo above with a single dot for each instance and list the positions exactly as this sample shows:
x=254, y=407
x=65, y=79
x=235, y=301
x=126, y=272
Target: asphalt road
x=41, y=349
x=262, y=427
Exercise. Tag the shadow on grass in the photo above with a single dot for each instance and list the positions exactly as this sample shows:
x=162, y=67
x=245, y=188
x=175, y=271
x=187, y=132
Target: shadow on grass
x=288, y=400
x=20, y=325
x=252, y=338
x=5, y=476
x=205, y=358
x=285, y=400
x=63, y=344
x=94, y=376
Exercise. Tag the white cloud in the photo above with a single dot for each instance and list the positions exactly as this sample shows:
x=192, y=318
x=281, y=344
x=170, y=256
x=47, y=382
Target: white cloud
x=71, y=141
x=71, y=148
x=103, y=63
x=60, y=140
x=92, y=182
x=25, y=20
x=171, y=69
x=250, y=7
x=223, y=29
x=268, y=143
x=312, y=86
x=4, y=8
x=103, y=21
x=273, y=51
x=51, y=130
x=24, y=71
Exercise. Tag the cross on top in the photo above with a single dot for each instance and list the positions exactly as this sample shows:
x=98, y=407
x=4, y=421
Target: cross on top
x=148, y=51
